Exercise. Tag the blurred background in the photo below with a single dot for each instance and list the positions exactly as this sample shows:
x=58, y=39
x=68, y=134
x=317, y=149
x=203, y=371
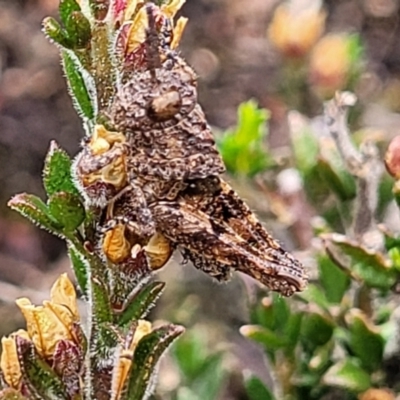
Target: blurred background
x=285, y=58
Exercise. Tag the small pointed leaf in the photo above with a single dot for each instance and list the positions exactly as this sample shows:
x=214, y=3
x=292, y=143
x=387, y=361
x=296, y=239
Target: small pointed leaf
x=53, y=31
x=66, y=8
x=333, y=279
x=57, y=175
x=314, y=294
x=78, y=30
x=242, y=148
x=81, y=268
x=262, y=313
x=347, y=374
x=67, y=362
x=67, y=209
x=305, y=148
x=33, y=208
x=292, y=330
x=106, y=341
x=256, y=390
x=267, y=338
x=142, y=303
x=190, y=353
x=80, y=85
x=147, y=354
x=392, y=240
x=337, y=178
x=101, y=302
x=316, y=329
x=272, y=312
x=322, y=358
x=396, y=192
x=208, y=384
x=365, y=340
x=281, y=311
x=371, y=266
x=37, y=373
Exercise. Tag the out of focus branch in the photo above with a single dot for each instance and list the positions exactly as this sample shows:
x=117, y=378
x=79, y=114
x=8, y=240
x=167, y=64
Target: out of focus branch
x=363, y=163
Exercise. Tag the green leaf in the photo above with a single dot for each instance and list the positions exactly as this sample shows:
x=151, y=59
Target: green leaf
x=78, y=30
x=37, y=374
x=57, y=175
x=66, y=8
x=316, y=329
x=256, y=390
x=191, y=354
x=292, y=330
x=262, y=313
x=101, y=302
x=396, y=192
x=392, y=241
x=366, y=341
x=347, y=374
x=67, y=209
x=368, y=265
x=81, y=268
x=337, y=178
x=314, y=295
x=355, y=48
x=142, y=303
x=305, y=148
x=106, y=340
x=272, y=312
x=281, y=311
x=147, y=354
x=394, y=255
x=385, y=195
x=54, y=32
x=81, y=86
x=305, y=379
x=322, y=358
x=207, y=385
x=185, y=393
x=269, y=339
x=251, y=122
x=33, y=208
x=242, y=149
x=333, y=279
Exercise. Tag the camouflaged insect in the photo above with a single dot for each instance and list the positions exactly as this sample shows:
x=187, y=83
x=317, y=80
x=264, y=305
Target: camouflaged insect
x=157, y=178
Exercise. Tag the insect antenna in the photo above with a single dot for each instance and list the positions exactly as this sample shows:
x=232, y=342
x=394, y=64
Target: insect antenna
x=152, y=44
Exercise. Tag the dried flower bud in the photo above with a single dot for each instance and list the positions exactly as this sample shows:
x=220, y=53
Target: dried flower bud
x=392, y=157
x=295, y=30
x=115, y=245
x=102, y=140
x=178, y=31
x=330, y=64
x=158, y=251
x=377, y=394
x=9, y=364
x=54, y=321
x=124, y=363
x=53, y=329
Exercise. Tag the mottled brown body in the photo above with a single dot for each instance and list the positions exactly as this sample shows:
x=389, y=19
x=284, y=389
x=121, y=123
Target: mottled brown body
x=170, y=194
x=178, y=148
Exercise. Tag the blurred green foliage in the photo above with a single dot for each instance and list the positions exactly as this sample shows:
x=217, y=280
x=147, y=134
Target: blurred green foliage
x=202, y=371
x=243, y=147
x=330, y=339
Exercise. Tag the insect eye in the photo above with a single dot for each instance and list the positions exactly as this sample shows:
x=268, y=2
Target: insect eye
x=165, y=106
